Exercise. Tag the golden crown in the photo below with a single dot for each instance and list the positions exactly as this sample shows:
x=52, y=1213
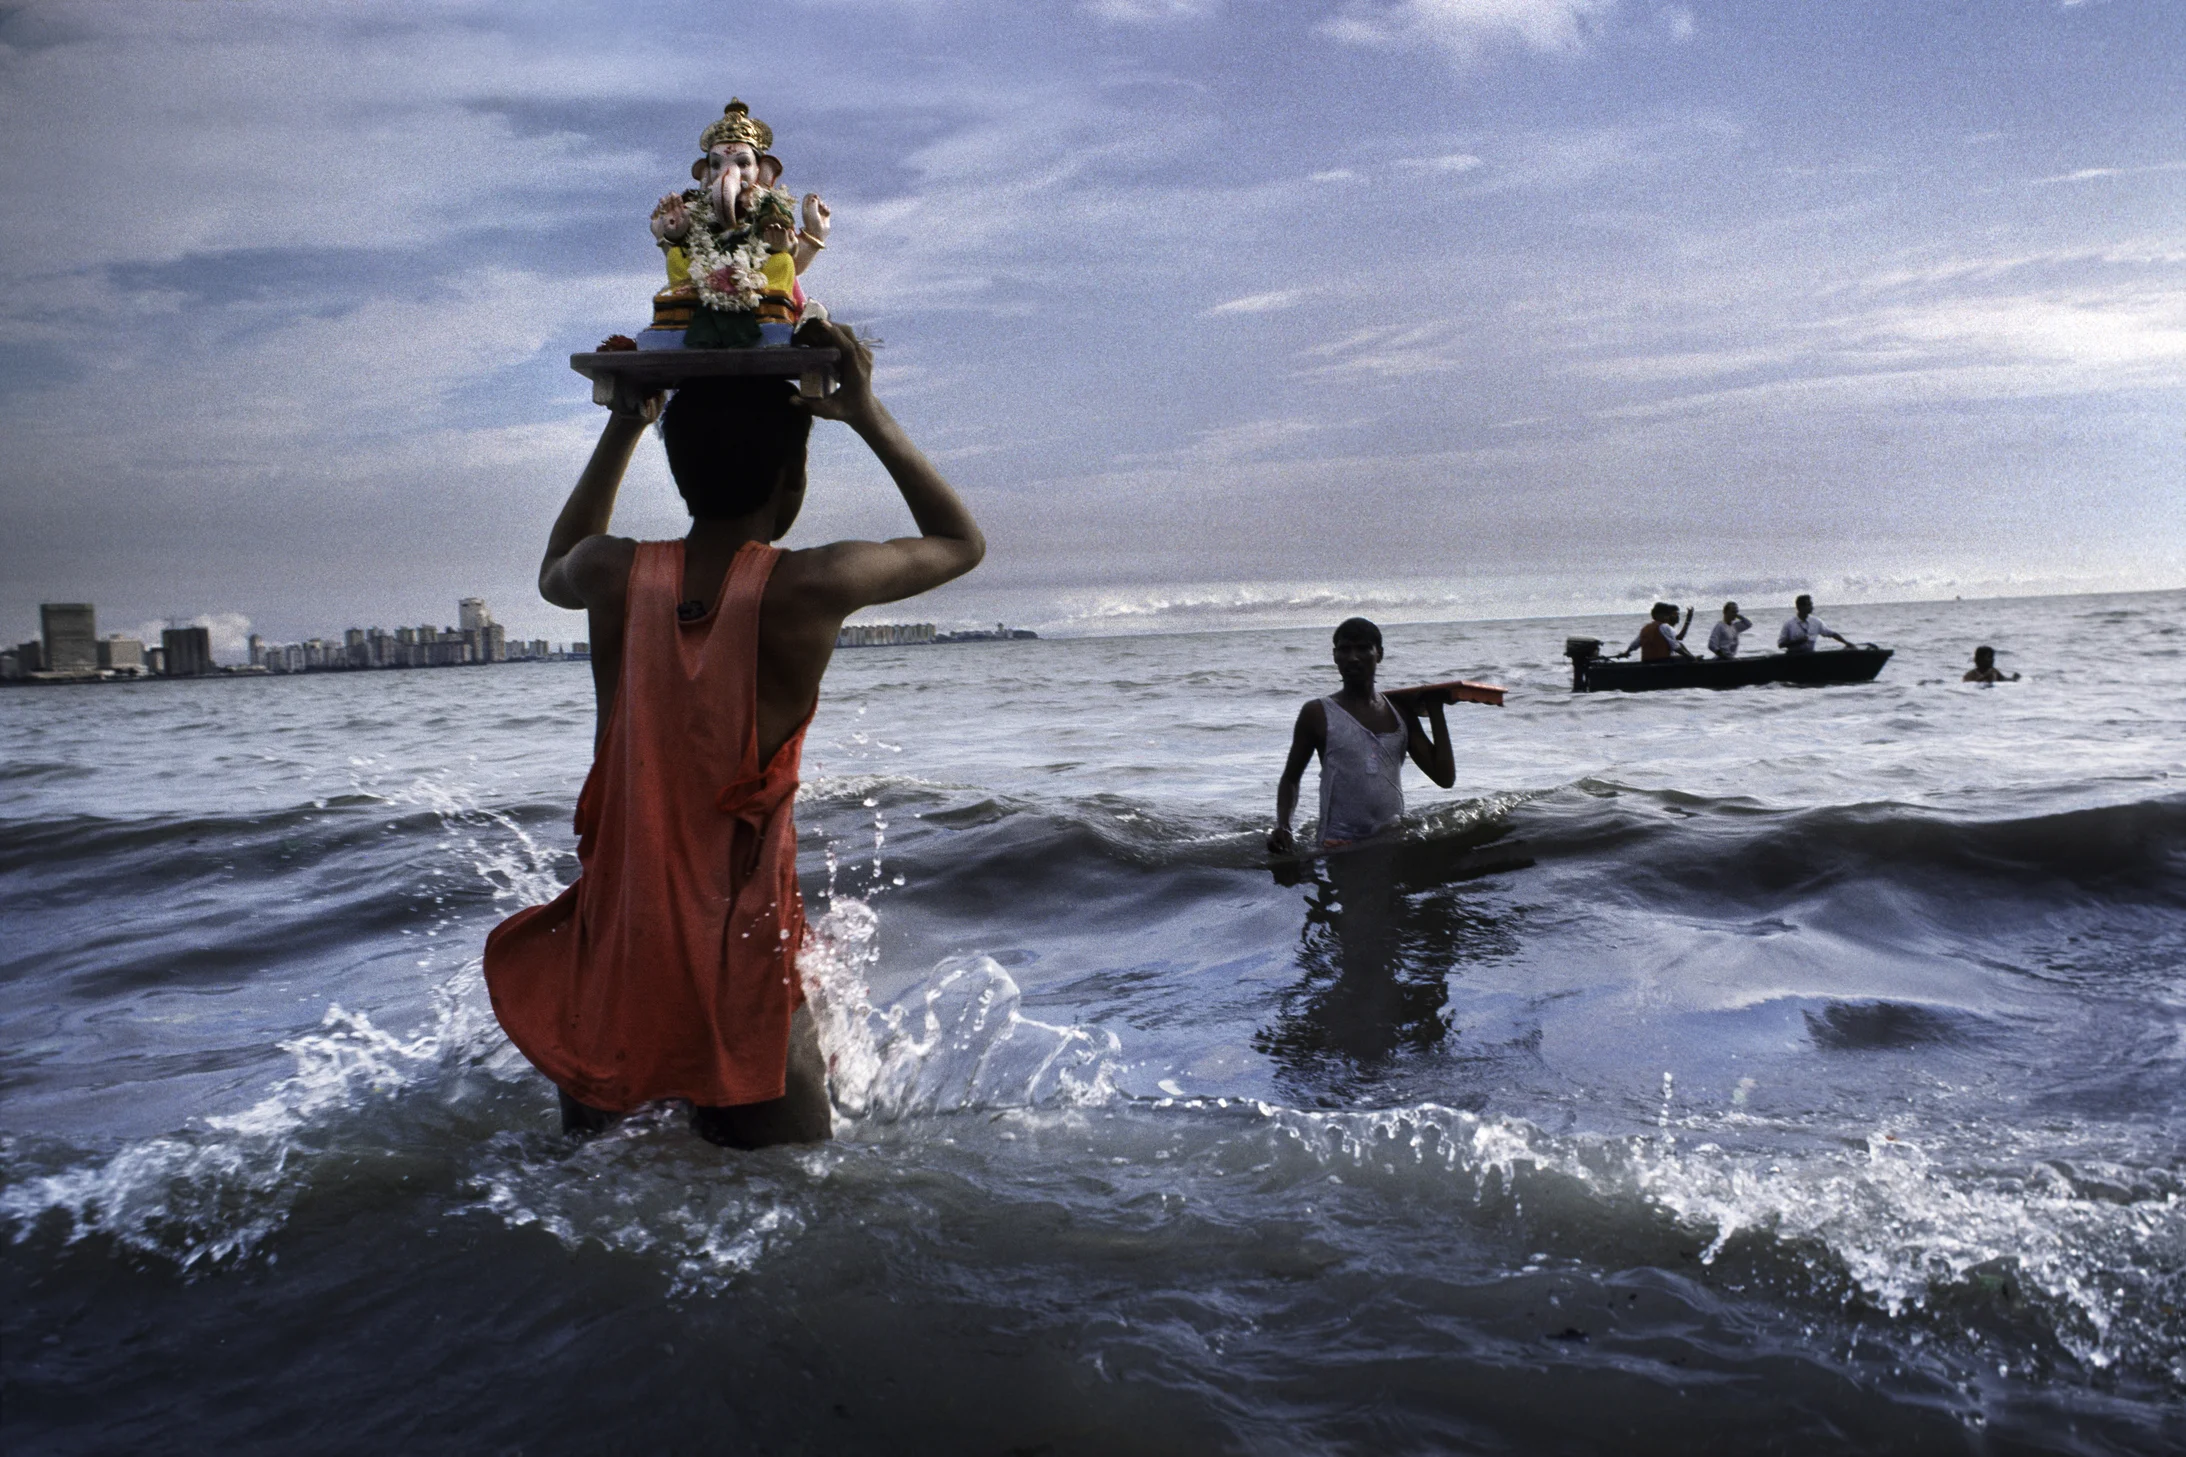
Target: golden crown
x=737, y=126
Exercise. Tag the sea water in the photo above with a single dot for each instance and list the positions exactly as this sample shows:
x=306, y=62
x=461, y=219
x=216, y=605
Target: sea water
x=1782, y=1069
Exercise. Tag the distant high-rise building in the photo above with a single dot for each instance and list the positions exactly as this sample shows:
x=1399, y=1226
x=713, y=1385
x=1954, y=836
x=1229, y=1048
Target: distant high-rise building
x=188, y=651
x=121, y=654
x=497, y=642
x=71, y=633
x=472, y=615
x=539, y=648
x=30, y=657
x=257, y=651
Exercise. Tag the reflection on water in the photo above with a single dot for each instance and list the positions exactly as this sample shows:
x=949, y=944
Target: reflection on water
x=1386, y=927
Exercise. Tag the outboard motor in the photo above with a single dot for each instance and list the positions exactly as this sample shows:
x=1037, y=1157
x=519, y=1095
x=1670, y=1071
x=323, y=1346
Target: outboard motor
x=1581, y=651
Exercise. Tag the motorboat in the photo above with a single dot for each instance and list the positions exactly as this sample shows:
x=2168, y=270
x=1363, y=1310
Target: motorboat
x=1593, y=673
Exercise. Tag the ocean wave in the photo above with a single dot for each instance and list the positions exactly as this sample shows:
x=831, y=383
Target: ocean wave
x=1656, y=845
x=359, y=1097
x=1738, y=851
x=1990, y=1243
x=219, y=1191
x=1886, y=1223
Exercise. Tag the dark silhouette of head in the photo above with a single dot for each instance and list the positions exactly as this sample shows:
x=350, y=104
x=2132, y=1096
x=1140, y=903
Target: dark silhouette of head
x=1984, y=656
x=1730, y=612
x=1360, y=630
x=736, y=445
x=1663, y=612
x=1803, y=605
x=1357, y=653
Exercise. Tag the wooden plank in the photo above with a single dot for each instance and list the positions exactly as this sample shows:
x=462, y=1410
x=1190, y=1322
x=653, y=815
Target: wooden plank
x=1458, y=691
x=657, y=369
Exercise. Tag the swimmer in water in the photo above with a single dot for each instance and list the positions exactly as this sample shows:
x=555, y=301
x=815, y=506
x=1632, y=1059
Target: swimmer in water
x=1984, y=668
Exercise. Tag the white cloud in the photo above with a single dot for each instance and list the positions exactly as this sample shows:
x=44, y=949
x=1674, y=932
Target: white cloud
x=2096, y=174
x=1148, y=12
x=1248, y=440
x=1388, y=350
x=1465, y=28
x=208, y=130
x=228, y=631
x=2115, y=339
x=1452, y=162
x=1260, y=303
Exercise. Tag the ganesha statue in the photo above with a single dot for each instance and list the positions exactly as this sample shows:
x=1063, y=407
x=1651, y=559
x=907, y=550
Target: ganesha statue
x=736, y=245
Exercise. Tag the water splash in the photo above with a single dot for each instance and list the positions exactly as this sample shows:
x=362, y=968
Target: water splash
x=216, y=1193
x=957, y=1042
x=1886, y=1224
x=503, y=854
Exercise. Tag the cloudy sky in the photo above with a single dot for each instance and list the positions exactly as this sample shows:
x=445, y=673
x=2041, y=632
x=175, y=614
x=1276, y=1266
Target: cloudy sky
x=1217, y=310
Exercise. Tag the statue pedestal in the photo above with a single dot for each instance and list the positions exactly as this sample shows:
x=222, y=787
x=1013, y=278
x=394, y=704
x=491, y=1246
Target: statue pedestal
x=622, y=378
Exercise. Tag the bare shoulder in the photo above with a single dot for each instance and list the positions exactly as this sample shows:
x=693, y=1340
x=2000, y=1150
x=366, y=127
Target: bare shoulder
x=839, y=577
x=808, y=575
x=1313, y=720
x=599, y=567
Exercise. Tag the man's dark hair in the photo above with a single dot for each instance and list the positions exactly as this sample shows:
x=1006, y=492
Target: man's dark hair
x=732, y=442
x=1356, y=627
x=1661, y=607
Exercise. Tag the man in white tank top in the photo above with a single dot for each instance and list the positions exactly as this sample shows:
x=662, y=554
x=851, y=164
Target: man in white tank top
x=1363, y=738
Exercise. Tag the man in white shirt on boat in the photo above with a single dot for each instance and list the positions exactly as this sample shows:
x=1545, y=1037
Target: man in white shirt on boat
x=1803, y=630
x=1723, y=638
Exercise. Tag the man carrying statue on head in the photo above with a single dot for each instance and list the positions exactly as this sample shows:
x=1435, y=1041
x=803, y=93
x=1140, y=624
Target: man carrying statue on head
x=720, y=236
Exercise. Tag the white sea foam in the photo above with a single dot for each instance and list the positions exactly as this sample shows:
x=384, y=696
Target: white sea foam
x=217, y=1192
x=1901, y=1227
x=957, y=1042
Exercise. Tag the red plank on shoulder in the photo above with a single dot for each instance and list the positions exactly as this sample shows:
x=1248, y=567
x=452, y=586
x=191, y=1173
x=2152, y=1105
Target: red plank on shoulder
x=1457, y=691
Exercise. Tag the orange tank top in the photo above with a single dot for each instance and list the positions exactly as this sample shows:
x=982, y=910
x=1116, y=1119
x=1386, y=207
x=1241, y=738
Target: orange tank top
x=669, y=968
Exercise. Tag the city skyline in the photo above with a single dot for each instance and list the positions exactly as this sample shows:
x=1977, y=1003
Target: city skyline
x=69, y=645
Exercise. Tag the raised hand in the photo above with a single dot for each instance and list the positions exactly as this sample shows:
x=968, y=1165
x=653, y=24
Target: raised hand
x=851, y=401
x=671, y=220
x=818, y=218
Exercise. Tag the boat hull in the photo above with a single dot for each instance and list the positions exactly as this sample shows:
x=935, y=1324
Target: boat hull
x=1841, y=665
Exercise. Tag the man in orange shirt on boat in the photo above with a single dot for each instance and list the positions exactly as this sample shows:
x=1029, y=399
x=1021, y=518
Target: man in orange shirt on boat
x=1656, y=643
x=669, y=968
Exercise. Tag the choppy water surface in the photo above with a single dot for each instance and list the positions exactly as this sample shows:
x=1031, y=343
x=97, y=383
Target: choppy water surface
x=1775, y=1070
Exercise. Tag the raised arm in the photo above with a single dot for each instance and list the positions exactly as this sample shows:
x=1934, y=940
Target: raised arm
x=854, y=574
x=1433, y=756
x=566, y=572
x=1306, y=739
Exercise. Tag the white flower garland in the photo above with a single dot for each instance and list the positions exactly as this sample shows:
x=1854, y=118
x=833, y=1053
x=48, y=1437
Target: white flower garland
x=729, y=274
